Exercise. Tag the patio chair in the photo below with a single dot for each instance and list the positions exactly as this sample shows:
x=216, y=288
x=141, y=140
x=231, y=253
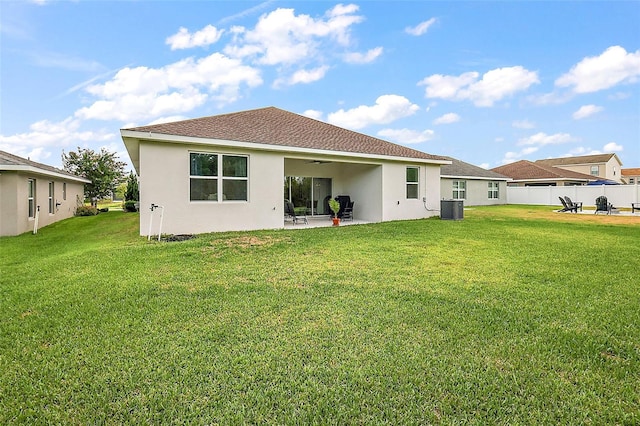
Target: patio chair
x=290, y=213
x=572, y=205
x=344, y=201
x=602, y=205
x=347, y=213
x=566, y=207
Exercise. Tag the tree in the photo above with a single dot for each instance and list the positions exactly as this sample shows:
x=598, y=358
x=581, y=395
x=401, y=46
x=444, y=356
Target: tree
x=132, y=193
x=103, y=169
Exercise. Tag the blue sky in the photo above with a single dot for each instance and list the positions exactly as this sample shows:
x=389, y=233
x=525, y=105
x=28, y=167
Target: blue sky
x=485, y=82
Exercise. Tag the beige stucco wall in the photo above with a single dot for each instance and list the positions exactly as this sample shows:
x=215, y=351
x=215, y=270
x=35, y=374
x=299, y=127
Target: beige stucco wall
x=609, y=170
x=477, y=192
x=164, y=181
x=396, y=206
x=14, y=205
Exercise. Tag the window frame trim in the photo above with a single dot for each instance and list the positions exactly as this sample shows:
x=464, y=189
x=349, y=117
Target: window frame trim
x=219, y=176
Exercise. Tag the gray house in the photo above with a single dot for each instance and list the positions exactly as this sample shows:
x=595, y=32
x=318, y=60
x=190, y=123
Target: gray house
x=33, y=194
x=473, y=184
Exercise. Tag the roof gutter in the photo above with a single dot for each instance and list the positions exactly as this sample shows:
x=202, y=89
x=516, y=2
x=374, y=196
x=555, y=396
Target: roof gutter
x=38, y=171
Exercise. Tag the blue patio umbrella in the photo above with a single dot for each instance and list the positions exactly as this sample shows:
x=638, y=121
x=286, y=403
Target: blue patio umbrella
x=603, y=182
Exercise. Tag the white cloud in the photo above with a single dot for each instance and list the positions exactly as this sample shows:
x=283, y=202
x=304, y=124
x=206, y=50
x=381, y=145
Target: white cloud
x=541, y=139
x=484, y=166
x=283, y=38
x=421, y=28
x=614, y=66
x=406, y=136
x=185, y=40
x=142, y=93
x=448, y=118
x=303, y=76
x=313, y=113
x=363, y=58
x=45, y=135
x=495, y=85
x=585, y=111
x=612, y=147
x=523, y=124
x=511, y=156
x=388, y=108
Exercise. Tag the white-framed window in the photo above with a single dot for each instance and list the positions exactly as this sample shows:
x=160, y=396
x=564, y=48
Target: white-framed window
x=595, y=170
x=459, y=189
x=212, y=174
x=494, y=193
x=51, y=198
x=412, y=179
x=31, y=197
x=631, y=181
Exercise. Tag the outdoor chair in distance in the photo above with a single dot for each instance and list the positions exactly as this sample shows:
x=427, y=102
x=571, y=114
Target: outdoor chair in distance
x=602, y=205
x=347, y=213
x=572, y=205
x=290, y=212
x=566, y=207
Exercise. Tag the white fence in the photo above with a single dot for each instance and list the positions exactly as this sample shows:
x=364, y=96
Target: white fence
x=618, y=195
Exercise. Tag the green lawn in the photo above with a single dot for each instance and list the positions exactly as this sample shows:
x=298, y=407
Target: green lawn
x=510, y=316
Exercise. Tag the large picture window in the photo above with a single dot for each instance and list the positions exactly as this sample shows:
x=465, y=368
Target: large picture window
x=208, y=180
x=459, y=189
x=412, y=182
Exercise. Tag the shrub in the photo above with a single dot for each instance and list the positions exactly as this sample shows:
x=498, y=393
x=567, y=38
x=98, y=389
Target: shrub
x=86, y=211
x=130, y=206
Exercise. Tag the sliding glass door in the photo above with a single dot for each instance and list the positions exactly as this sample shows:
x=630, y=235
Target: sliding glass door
x=309, y=195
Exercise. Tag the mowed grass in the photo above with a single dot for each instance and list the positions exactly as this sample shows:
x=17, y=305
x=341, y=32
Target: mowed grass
x=514, y=315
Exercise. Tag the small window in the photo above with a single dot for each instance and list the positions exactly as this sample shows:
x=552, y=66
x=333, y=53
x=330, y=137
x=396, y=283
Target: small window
x=631, y=181
x=459, y=189
x=595, y=170
x=493, y=191
x=51, y=198
x=64, y=191
x=412, y=182
x=31, y=197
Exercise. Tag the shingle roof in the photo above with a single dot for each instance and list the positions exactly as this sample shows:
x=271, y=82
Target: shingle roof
x=630, y=172
x=583, y=159
x=13, y=162
x=459, y=168
x=273, y=126
x=526, y=170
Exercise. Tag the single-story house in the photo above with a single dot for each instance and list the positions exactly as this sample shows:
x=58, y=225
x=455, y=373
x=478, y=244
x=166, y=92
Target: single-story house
x=472, y=184
x=600, y=166
x=527, y=173
x=631, y=176
x=234, y=171
x=32, y=192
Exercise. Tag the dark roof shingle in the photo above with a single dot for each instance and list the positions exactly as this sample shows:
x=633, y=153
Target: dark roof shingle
x=460, y=168
x=7, y=159
x=273, y=126
x=526, y=170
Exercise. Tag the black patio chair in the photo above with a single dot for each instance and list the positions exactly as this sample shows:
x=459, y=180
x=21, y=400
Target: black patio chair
x=603, y=205
x=347, y=213
x=290, y=212
x=566, y=207
x=572, y=205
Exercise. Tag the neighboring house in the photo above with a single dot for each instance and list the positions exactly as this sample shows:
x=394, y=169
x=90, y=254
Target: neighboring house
x=473, y=184
x=600, y=166
x=28, y=189
x=631, y=176
x=232, y=172
x=527, y=173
